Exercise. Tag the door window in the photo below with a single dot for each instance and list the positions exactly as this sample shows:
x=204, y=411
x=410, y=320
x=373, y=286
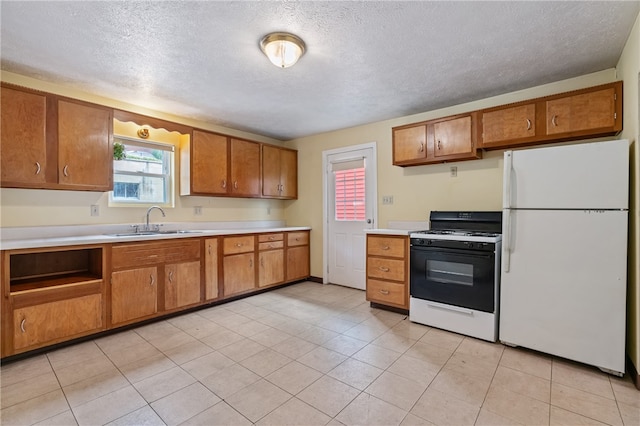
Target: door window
x=350, y=194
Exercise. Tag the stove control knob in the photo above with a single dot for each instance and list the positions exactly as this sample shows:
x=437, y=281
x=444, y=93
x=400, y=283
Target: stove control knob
x=429, y=242
x=419, y=242
x=471, y=245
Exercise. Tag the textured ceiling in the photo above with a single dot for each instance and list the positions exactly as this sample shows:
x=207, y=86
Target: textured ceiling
x=365, y=61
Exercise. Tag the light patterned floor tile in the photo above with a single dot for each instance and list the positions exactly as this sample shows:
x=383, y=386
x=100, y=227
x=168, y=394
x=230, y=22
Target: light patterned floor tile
x=582, y=377
x=144, y=416
x=322, y=359
x=294, y=347
x=415, y=369
x=625, y=391
x=27, y=389
x=413, y=420
x=222, y=338
x=469, y=365
x=188, y=352
x=220, y=414
x=90, y=368
x=355, y=373
x=65, y=418
x=257, y=400
x=395, y=342
x=630, y=414
x=488, y=418
x=230, y=380
x=369, y=410
x=184, y=404
x=527, y=361
x=410, y=329
x=443, y=339
x=444, y=410
x=434, y=355
x=562, y=417
x=294, y=412
x=24, y=369
x=135, y=352
x=517, y=407
x=74, y=354
x=266, y=362
x=94, y=387
x=471, y=389
x=294, y=377
x=523, y=384
x=207, y=365
x=377, y=356
x=328, y=395
x=585, y=403
x=163, y=384
x=480, y=349
x=345, y=345
x=147, y=367
x=396, y=390
x=270, y=337
x=109, y=407
x=35, y=410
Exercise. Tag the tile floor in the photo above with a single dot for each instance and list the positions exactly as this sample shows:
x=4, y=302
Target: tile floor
x=306, y=354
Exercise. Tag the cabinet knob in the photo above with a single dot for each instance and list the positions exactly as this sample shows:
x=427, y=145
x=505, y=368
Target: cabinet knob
x=238, y=244
x=38, y=168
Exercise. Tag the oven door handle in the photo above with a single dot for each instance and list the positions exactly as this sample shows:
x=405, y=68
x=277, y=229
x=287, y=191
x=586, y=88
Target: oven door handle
x=452, y=308
x=458, y=253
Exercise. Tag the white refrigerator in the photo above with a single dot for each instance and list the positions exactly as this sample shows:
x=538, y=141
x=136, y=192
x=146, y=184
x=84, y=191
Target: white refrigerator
x=564, y=252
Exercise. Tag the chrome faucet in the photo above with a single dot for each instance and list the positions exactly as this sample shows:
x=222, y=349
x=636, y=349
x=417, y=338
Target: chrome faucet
x=149, y=211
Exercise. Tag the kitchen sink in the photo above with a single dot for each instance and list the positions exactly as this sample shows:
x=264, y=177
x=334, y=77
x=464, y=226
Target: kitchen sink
x=163, y=232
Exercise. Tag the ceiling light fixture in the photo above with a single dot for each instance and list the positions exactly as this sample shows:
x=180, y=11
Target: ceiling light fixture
x=282, y=49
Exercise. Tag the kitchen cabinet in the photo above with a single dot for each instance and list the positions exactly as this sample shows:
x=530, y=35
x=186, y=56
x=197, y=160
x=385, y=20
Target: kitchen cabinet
x=581, y=114
x=214, y=164
x=585, y=112
x=446, y=139
x=52, y=142
x=279, y=172
x=211, y=290
x=297, y=255
x=143, y=274
x=238, y=265
x=24, y=144
x=388, y=270
x=508, y=125
x=51, y=295
x=182, y=284
x=270, y=259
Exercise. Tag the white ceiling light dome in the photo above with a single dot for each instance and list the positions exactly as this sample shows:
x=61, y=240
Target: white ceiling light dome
x=282, y=49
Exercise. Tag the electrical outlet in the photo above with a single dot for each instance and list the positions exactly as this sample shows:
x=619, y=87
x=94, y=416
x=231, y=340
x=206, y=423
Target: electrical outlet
x=387, y=199
x=197, y=210
x=95, y=210
x=454, y=171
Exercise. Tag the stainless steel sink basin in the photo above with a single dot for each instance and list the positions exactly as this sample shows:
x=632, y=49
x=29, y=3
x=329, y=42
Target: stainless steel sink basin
x=163, y=232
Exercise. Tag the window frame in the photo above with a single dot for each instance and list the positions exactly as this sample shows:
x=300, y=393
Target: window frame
x=168, y=177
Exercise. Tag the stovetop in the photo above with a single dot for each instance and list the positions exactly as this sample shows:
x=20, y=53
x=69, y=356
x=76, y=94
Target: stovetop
x=457, y=235
x=479, y=226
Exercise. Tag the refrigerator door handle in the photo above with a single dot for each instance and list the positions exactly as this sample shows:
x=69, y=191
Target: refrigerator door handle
x=508, y=170
x=506, y=240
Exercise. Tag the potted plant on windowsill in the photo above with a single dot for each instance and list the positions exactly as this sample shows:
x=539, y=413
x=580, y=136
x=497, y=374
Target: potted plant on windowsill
x=118, y=151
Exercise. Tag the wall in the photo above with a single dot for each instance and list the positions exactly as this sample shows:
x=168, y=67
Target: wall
x=415, y=190
x=32, y=207
x=629, y=71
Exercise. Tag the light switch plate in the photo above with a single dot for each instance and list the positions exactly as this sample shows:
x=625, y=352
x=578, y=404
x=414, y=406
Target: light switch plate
x=95, y=210
x=197, y=210
x=387, y=199
x=454, y=171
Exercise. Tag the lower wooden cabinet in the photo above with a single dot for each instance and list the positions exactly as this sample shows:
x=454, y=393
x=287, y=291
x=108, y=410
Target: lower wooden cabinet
x=53, y=295
x=181, y=284
x=388, y=270
x=134, y=294
x=36, y=325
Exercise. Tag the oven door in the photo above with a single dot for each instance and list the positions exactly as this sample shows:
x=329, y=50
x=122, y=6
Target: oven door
x=464, y=278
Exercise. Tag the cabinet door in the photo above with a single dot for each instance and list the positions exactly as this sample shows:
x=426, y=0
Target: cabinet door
x=452, y=137
x=270, y=171
x=239, y=273
x=409, y=143
x=24, y=146
x=271, y=270
x=288, y=174
x=211, y=268
x=586, y=111
x=386, y=246
x=182, y=284
x=209, y=160
x=45, y=323
x=85, y=158
x=297, y=263
x=134, y=294
x=245, y=168
x=507, y=126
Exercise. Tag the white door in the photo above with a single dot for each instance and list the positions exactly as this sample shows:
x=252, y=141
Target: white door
x=350, y=208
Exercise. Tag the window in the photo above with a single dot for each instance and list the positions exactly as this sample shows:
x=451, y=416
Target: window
x=350, y=194
x=144, y=174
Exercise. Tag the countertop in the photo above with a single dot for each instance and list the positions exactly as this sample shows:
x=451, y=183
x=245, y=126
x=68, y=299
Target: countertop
x=381, y=231
x=107, y=234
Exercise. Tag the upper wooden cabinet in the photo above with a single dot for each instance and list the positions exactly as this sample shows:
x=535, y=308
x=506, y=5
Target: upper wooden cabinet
x=436, y=141
x=52, y=142
x=214, y=164
x=587, y=113
x=279, y=172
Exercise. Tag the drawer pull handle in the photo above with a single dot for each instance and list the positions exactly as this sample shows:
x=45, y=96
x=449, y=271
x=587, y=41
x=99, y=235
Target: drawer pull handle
x=554, y=120
x=235, y=184
x=24, y=320
x=385, y=248
x=439, y=145
x=38, y=168
x=170, y=276
x=421, y=146
x=224, y=184
x=383, y=269
x=151, y=280
x=528, y=124
x=238, y=244
x=385, y=292
x=65, y=170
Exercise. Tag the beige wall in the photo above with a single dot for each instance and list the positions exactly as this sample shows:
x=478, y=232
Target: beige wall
x=415, y=190
x=30, y=207
x=629, y=71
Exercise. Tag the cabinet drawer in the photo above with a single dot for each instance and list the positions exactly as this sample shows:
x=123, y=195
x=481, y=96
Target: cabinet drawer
x=385, y=292
x=135, y=255
x=387, y=269
x=270, y=246
x=233, y=245
x=49, y=322
x=386, y=246
x=270, y=237
x=297, y=238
